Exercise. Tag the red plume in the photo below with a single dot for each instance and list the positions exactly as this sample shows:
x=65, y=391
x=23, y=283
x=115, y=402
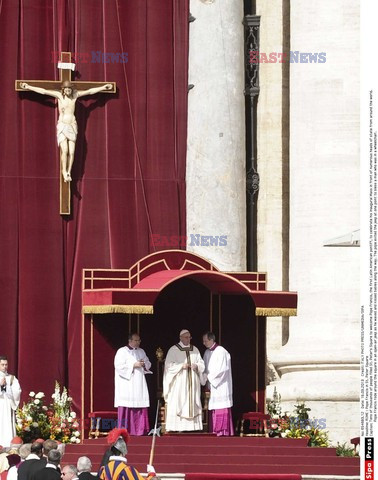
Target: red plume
x=116, y=433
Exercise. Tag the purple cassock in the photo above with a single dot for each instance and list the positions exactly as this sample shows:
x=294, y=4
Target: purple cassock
x=134, y=419
x=131, y=393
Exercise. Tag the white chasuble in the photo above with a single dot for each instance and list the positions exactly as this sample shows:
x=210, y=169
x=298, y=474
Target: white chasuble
x=182, y=389
x=130, y=383
x=219, y=376
x=9, y=400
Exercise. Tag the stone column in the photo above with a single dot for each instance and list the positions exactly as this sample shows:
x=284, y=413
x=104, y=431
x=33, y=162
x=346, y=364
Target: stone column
x=216, y=198
x=273, y=157
x=320, y=362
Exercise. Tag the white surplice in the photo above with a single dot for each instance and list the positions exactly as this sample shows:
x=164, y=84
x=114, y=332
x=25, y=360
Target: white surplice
x=9, y=400
x=182, y=389
x=219, y=376
x=130, y=383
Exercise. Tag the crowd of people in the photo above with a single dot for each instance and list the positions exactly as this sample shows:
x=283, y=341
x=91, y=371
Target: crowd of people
x=184, y=373
x=43, y=460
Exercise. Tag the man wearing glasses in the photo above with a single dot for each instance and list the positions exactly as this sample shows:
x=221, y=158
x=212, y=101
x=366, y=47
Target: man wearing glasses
x=181, y=386
x=131, y=364
x=70, y=472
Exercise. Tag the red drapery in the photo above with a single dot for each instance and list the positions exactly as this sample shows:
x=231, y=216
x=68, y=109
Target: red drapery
x=128, y=174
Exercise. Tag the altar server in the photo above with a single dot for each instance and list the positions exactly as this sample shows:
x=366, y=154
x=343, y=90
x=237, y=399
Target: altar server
x=131, y=365
x=219, y=378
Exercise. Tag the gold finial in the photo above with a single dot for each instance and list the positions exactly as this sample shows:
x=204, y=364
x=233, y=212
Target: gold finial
x=159, y=354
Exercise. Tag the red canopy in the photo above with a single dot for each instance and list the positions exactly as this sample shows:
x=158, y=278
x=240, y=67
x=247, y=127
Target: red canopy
x=136, y=289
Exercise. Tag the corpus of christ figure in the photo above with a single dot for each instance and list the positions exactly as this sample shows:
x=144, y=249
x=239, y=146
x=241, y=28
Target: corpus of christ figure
x=66, y=128
x=66, y=91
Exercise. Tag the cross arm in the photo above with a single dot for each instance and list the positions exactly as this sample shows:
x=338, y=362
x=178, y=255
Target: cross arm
x=57, y=85
x=46, y=84
x=85, y=86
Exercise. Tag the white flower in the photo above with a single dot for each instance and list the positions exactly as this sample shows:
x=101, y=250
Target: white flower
x=73, y=414
x=29, y=418
x=69, y=399
x=36, y=401
x=44, y=408
x=77, y=434
x=35, y=424
x=78, y=440
x=70, y=420
x=283, y=434
x=40, y=395
x=31, y=394
x=27, y=429
x=73, y=439
x=53, y=395
x=275, y=416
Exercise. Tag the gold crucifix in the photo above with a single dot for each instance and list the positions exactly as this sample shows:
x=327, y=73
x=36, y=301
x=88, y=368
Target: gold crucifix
x=66, y=92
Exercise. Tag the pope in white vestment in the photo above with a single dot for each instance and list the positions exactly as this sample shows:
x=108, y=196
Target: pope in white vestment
x=131, y=364
x=10, y=392
x=182, y=386
x=219, y=377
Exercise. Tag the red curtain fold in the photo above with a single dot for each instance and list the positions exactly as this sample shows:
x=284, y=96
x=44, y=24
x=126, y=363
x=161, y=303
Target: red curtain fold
x=129, y=169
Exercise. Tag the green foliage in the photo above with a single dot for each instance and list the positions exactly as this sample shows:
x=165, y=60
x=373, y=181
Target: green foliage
x=274, y=405
x=297, y=425
x=345, y=450
x=301, y=410
x=316, y=437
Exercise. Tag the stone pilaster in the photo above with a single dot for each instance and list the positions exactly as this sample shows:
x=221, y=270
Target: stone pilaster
x=320, y=362
x=216, y=199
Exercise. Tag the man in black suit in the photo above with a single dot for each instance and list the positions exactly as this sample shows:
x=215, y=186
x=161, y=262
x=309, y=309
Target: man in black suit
x=50, y=471
x=48, y=445
x=84, y=466
x=34, y=457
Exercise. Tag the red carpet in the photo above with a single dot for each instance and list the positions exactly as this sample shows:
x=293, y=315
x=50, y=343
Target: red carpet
x=243, y=476
x=252, y=456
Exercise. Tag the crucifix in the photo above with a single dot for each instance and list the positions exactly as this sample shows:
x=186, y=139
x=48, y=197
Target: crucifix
x=66, y=92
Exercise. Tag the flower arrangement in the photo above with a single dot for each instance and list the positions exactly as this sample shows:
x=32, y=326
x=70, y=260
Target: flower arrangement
x=279, y=422
x=317, y=437
x=297, y=425
x=56, y=420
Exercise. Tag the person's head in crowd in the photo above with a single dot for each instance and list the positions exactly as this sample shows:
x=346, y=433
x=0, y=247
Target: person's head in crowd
x=37, y=449
x=16, y=443
x=49, y=445
x=25, y=450
x=54, y=457
x=14, y=460
x=69, y=472
x=84, y=464
x=118, y=438
x=61, y=448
